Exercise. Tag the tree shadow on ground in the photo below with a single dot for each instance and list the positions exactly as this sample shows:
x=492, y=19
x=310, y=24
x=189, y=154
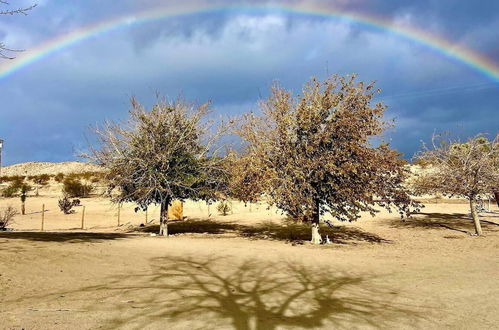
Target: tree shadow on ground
x=288, y=231
x=192, y=226
x=299, y=232
x=459, y=222
x=212, y=293
x=66, y=237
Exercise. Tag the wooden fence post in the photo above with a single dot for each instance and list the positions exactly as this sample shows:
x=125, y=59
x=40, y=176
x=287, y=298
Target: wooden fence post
x=119, y=215
x=83, y=218
x=43, y=215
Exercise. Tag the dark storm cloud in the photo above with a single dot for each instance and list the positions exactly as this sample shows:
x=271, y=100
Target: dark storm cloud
x=232, y=59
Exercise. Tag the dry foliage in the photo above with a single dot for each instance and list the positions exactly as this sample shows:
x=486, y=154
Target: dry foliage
x=73, y=187
x=224, y=207
x=453, y=168
x=313, y=153
x=66, y=206
x=163, y=154
x=6, y=216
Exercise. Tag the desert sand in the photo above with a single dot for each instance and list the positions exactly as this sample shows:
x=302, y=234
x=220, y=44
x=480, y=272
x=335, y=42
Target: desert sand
x=51, y=168
x=241, y=272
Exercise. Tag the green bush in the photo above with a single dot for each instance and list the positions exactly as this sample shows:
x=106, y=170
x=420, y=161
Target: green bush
x=74, y=188
x=10, y=191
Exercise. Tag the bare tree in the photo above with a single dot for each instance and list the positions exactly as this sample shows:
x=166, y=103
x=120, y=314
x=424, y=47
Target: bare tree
x=313, y=154
x=4, y=50
x=468, y=170
x=163, y=154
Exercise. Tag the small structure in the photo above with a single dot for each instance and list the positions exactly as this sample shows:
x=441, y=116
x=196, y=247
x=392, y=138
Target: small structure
x=176, y=211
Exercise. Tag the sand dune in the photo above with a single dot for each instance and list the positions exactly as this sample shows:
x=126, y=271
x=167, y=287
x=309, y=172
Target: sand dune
x=37, y=168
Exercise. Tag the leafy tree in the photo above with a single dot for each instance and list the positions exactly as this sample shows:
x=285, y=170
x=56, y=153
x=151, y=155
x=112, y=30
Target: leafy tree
x=4, y=50
x=161, y=155
x=468, y=170
x=313, y=154
x=246, y=178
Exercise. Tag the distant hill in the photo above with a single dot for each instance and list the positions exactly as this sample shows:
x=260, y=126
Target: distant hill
x=37, y=168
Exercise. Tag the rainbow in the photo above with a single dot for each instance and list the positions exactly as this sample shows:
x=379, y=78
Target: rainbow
x=444, y=47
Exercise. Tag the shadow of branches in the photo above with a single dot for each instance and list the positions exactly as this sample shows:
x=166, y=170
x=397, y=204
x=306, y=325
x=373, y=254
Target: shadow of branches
x=210, y=293
x=193, y=226
x=288, y=231
x=459, y=222
x=301, y=232
x=67, y=237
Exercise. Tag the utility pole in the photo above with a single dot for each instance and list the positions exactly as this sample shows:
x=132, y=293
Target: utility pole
x=1, y=147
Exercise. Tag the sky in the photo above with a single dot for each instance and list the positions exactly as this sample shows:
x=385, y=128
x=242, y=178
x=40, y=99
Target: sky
x=232, y=57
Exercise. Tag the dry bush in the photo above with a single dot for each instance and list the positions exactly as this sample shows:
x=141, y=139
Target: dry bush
x=224, y=207
x=42, y=179
x=6, y=216
x=59, y=177
x=65, y=205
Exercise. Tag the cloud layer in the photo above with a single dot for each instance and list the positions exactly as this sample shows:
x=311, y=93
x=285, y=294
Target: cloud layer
x=232, y=59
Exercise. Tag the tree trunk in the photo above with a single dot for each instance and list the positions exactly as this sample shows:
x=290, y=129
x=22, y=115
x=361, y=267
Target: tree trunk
x=474, y=215
x=316, y=236
x=496, y=195
x=23, y=208
x=163, y=218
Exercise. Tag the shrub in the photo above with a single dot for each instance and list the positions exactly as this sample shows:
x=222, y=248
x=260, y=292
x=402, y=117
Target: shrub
x=224, y=207
x=6, y=216
x=41, y=179
x=10, y=191
x=59, y=177
x=16, y=181
x=86, y=175
x=74, y=188
x=76, y=202
x=65, y=205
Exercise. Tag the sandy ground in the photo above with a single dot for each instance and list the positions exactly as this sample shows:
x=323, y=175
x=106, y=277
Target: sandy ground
x=239, y=272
